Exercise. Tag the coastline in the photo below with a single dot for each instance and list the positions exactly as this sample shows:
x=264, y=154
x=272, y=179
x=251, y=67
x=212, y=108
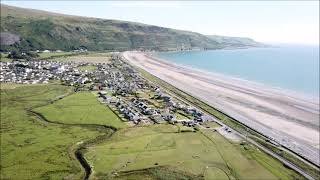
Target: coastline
x=289, y=68
x=278, y=114
x=287, y=92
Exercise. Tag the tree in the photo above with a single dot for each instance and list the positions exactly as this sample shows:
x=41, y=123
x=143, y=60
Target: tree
x=32, y=54
x=15, y=55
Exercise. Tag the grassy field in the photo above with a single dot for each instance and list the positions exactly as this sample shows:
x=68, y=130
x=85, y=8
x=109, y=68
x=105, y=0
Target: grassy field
x=253, y=153
x=183, y=128
x=211, y=125
x=46, y=55
x=80, y=108
x=180, y=116
x=87, y=68
x=4, y=86
x=312, y=171
x=3, y=58
x=32, y=149
x=191, y=153
x=54, y=55
x=158, y=173
x=90, y=57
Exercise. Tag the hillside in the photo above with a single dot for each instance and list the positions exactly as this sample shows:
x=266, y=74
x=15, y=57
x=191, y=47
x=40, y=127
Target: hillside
x=28, y=29
x=235, y=42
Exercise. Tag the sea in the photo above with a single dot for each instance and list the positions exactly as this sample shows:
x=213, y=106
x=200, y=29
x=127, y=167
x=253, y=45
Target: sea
x=289, y=67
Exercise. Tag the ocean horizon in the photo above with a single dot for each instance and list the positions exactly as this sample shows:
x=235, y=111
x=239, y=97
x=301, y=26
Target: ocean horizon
x=294, y=68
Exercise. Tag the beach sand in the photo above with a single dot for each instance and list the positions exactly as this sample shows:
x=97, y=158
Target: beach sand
x=291, y=120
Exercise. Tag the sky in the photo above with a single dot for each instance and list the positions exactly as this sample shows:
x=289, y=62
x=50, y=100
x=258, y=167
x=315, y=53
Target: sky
x=265, y=21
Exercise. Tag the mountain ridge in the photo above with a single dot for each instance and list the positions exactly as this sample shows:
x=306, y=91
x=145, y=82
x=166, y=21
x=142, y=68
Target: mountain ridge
x=30, y=29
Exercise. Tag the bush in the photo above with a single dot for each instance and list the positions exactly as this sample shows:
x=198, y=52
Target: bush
x=15, y=55
x=32, y=54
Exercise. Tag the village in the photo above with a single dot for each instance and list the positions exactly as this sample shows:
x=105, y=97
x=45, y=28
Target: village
x=117, y=85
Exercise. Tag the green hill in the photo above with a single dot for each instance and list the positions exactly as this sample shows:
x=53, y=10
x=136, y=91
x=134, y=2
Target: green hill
x=235, y=42
x=28, y=29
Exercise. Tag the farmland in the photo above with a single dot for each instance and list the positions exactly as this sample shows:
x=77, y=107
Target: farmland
x=3, y=58
x=162, y=146
x=80, y=108
x=85, y=58
x=50, y=55
x=31, y=149
x=87, y=68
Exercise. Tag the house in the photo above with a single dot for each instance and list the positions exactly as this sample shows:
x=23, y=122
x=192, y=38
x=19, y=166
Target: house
x=188, y=123
x=198, y=119
x=102, y=92
x=166, y=98
x=171, y=104
x=136, y=117
x=157, y=118
x=206, y=118
x=114, y=101
x=167, y=116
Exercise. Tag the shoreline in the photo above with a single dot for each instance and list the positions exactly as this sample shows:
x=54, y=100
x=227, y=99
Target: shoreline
x=287, y=92
x=291, y=121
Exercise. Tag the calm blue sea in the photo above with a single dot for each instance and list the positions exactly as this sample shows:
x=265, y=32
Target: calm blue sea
x=293, y=67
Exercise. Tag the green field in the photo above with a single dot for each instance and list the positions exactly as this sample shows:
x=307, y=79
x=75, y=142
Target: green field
x=191, y=153
x=33, y=149
x=158, y=173
x=80, y=108
x=52, y=55
x=253, y=153
x=87, y=68
x=87, y=57
x=211, y=124
x=4, y=86
x=180, y=116
x=183, y=128
x=3, y=58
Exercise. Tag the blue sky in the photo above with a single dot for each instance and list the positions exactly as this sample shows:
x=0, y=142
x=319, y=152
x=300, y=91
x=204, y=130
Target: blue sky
x=265, y=21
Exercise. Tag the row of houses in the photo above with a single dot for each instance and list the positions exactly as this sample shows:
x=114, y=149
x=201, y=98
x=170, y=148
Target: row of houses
x=32, y=72
x=123, y=81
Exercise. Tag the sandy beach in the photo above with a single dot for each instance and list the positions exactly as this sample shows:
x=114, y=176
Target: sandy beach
x=291, y=120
